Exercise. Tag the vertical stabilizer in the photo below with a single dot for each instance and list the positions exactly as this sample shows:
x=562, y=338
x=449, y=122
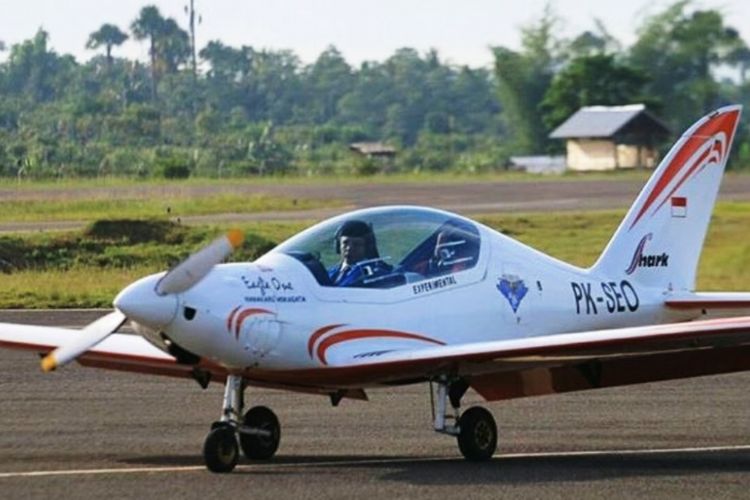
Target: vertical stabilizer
x=660, y=240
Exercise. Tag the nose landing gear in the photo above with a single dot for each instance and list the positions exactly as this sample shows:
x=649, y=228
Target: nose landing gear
x=220, y=450
x=259, y=431
x=264, y=441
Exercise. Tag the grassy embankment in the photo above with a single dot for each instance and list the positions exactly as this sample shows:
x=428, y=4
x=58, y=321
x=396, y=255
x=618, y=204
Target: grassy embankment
x=86, y=269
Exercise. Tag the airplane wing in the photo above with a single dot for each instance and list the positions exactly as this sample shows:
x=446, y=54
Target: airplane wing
x=497, y=370
x=118, y=352
x=726, y=302
x=132, y=353
x=559, y=363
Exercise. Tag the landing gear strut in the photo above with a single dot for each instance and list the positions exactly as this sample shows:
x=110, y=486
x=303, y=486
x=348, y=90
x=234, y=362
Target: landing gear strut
x=259, y=431
x=474, y=429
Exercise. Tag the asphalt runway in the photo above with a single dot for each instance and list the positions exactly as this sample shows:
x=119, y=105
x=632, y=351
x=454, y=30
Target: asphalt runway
x=81, y=432
x=466, y=198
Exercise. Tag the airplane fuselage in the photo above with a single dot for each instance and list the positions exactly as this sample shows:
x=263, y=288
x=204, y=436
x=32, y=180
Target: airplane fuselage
x=273, y=315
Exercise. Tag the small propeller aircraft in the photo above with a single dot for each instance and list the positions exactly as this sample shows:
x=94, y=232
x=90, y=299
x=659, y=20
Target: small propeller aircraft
x=403, y=295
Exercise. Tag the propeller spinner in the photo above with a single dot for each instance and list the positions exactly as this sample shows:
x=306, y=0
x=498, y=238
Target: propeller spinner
x=149, y=303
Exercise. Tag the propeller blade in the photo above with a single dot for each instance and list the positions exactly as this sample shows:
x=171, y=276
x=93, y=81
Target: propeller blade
x=191, y=270
x=91, y=335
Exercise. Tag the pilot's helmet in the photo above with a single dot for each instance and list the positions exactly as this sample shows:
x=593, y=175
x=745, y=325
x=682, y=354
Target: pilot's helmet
x=358, y=229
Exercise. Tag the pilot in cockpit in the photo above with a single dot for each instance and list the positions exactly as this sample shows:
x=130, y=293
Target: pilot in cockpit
x=360, y=260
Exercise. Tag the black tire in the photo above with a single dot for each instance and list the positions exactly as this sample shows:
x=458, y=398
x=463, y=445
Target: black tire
x=219, y=423
x=477, y=437
x=220, y=450
x=260, y=447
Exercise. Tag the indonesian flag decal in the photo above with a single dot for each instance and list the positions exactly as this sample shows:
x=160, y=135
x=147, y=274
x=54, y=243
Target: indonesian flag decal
x=706, y=146
x=679, y=206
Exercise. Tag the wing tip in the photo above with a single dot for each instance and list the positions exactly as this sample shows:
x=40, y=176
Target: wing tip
x=236, y=238
x=49, y=363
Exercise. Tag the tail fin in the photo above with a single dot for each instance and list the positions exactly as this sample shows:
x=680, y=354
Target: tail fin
x=660, y=240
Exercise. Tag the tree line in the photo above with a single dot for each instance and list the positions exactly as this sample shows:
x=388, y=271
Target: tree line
x=223, y=111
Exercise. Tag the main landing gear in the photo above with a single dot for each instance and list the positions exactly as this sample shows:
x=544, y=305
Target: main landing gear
x=474, y=429
x=259, y=431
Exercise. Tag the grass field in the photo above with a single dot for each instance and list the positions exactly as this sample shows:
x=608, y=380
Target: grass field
x=88, y=269
x=77, y=208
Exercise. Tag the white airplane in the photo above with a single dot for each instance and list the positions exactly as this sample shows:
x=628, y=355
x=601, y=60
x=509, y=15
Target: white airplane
x=403, y=295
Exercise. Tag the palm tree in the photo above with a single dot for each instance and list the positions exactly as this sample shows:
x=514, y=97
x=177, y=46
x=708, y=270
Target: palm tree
x=108, y=35
x=149, y=25
x=172, y=47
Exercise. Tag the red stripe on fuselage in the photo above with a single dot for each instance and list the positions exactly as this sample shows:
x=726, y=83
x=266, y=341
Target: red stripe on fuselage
x=245, y=314
x=231, y=318
x=317, y=334
x=364, y=334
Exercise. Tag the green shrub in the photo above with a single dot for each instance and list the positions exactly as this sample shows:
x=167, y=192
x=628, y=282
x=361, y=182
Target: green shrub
x=175, y=170
x=133, y=231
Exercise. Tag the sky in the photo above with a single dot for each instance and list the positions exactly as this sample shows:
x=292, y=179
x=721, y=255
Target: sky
x=461, y=30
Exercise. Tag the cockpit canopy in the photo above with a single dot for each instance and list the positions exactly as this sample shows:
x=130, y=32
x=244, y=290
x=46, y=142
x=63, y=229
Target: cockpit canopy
x=399, y=245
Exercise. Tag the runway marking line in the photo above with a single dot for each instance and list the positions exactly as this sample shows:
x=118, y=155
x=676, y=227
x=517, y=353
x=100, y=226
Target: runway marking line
x=271, y=465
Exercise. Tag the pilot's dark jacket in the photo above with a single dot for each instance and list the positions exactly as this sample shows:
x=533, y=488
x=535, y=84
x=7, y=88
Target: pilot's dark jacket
x=358, y=274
